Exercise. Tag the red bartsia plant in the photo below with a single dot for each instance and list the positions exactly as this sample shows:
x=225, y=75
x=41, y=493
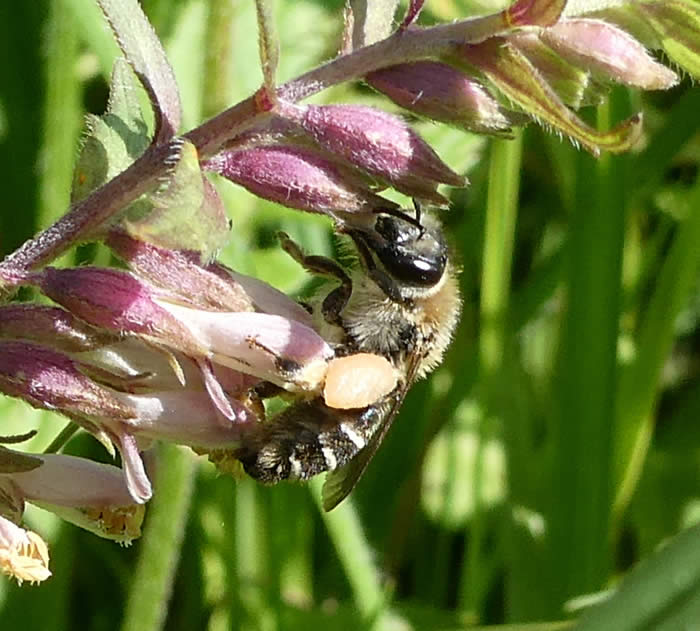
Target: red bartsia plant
x=172, y=348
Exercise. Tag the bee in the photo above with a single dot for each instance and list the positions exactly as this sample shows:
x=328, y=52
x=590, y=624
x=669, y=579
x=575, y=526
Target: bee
x=399, y=301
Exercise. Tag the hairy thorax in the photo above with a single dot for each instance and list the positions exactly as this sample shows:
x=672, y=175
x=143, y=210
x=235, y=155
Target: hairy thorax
x=423, y=325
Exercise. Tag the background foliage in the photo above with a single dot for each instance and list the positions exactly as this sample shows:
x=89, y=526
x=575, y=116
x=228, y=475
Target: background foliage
x=557, y=447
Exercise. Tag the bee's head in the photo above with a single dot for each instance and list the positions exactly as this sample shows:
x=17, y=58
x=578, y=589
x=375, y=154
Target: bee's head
x=409, y=251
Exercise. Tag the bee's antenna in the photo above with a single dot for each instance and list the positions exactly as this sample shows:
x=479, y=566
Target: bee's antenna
x=400, y=214
x=418, y=207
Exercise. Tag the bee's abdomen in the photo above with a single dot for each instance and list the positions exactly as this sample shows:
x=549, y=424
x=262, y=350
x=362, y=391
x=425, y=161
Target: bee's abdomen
x=306, y=439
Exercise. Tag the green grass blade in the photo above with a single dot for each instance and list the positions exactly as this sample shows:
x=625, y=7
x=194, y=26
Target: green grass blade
x=640, y=381
x=151, y=587
x=662, y=588
x=585, y=382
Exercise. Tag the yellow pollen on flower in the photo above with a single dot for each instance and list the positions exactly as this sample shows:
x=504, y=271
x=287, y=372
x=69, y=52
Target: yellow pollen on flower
x=122, y=524
x=26, y=559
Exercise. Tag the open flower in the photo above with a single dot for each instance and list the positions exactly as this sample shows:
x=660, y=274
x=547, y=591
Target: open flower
x=273, y=347
x=51, y=380
x=92, y=495
x=24, y=555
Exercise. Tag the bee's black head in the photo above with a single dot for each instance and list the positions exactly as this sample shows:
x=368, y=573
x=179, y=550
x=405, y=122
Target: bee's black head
x=411, y=251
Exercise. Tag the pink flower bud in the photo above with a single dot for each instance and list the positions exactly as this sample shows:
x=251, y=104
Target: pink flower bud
x=378, y=143
x=210, y=285
x=50, y=326
x=50, y=380
x=270, y=347
x=185, y=417
x=297, y=177
x=574, y=86
x=440, y=92
x=23, y=554
x=117, y=301
x=608, y=51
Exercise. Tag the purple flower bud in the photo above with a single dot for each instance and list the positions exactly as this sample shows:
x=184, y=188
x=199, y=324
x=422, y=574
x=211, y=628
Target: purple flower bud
x=440, y=92
x=50, y=380
x=378, y=143
x=24, y=555
x=211, y=285
x=50, y=326
x=607, y=51
x=297, y=177
x=117, y=301
x=180, y=272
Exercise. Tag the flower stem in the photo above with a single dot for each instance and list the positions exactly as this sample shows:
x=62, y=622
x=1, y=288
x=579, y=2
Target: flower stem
x=66, y=434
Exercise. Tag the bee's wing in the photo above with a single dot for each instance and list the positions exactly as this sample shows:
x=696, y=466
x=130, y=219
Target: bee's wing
x=342, y=480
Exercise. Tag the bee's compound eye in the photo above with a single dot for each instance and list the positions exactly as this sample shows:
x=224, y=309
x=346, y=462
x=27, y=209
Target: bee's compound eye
x=409, y=254
x=358, y=381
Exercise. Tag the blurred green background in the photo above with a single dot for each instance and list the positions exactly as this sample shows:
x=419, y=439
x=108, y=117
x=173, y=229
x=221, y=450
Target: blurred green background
x=557, y=447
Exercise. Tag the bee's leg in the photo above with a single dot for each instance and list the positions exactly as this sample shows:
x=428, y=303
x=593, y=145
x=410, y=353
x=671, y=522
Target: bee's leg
x=335, y=301
x=380, y=277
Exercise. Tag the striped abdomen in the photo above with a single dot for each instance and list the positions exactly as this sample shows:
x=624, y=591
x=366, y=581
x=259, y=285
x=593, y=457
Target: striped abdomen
x=307, y=439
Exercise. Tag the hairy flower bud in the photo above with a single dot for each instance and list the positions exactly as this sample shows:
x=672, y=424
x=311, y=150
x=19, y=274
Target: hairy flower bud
x=51, y=380
x=297, y=177
x=607, y=51
x=379, y=144
x=209, y=285
x=50, y=326
x=574, y=86
x=117, y=301
x=440, y=92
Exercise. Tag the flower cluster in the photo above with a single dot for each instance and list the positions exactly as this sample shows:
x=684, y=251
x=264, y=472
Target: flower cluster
x=175, y=347
x=169, y=351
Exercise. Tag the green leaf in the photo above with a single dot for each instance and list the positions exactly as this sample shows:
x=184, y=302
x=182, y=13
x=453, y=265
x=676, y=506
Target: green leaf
x=677, y=25
x=143, y=50
x=113, y=141
x=639, y=384
x=187, y=200
x=663, y=592
x=450, y=494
